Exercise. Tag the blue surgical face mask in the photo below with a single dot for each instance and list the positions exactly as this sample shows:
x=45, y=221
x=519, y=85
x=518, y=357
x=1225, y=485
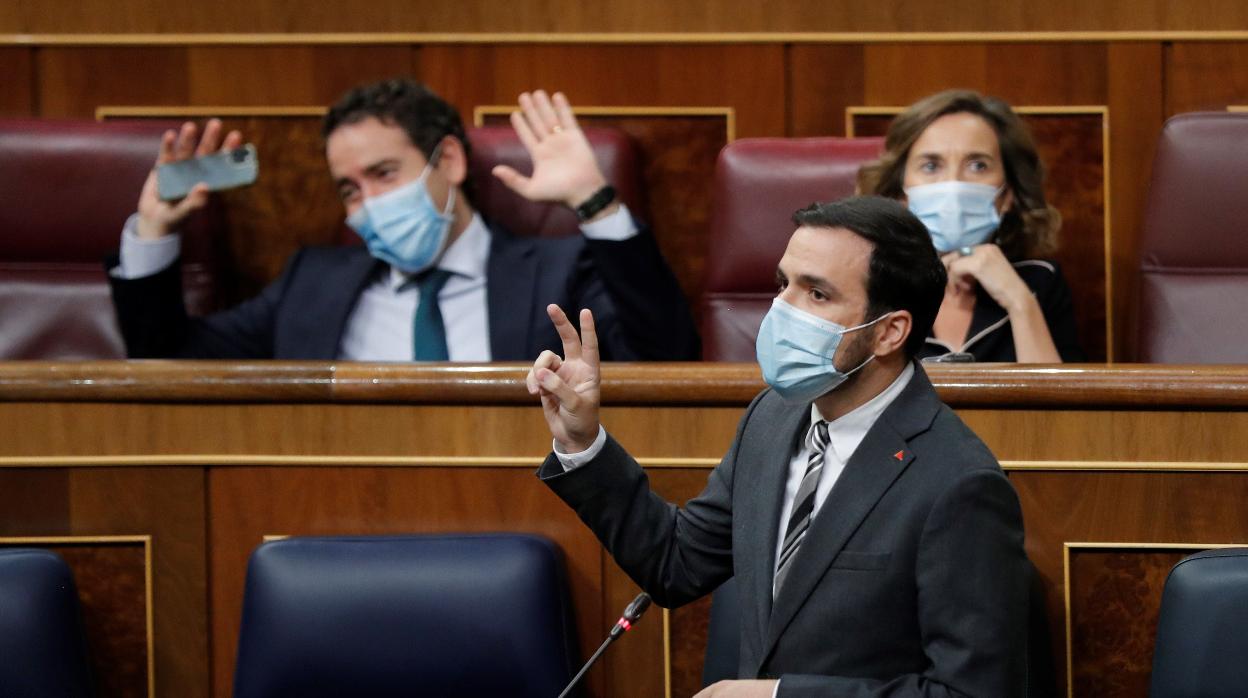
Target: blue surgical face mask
x=403, y=227
x=957, y=214
x=795, y=351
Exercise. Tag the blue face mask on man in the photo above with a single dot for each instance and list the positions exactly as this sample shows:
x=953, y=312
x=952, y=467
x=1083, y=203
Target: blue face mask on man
x=957, y=214
x=403, y=227
x=795, y=351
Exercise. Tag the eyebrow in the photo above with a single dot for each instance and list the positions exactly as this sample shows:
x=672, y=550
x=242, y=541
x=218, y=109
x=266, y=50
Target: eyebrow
x=343, y=181
x=941, y=156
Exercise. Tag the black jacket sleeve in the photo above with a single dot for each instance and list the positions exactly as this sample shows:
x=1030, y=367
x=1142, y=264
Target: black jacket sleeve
x=154, y=323
x=630, y=283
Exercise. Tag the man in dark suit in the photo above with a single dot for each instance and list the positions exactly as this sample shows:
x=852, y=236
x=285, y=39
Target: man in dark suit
x=877, y=545
x=436, y=281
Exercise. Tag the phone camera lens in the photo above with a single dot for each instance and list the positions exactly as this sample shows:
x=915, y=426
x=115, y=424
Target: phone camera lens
x=239, y=156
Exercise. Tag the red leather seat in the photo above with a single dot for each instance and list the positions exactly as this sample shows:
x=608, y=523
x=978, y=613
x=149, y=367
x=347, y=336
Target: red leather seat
x=759, y=184
x=68, y=188
x=618, y=156
x=1193, y=257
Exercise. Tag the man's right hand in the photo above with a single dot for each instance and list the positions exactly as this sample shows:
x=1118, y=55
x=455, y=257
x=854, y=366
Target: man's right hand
x=158, y=218
x=569, y=386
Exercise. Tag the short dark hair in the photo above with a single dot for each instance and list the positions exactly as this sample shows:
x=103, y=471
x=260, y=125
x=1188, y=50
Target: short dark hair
x=425, y=117
x=905, y=272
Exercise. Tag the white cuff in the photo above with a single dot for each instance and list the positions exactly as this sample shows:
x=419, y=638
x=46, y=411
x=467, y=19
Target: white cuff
x=776, y=691
x=616, y=227
x=141, y=257
x=571, y=461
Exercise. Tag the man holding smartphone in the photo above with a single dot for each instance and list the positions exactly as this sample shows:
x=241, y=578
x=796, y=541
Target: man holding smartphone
x=435, y=281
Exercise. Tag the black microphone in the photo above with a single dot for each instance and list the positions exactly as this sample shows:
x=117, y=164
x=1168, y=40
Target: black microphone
x=630, y=616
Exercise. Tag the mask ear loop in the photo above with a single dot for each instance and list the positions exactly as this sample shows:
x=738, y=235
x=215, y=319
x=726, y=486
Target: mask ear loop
x=434, y=158
x=847, y=330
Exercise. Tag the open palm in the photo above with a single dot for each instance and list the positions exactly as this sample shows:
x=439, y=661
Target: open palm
x=564, y=167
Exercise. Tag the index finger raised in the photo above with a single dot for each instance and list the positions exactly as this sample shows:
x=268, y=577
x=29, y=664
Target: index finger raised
x=567, y=333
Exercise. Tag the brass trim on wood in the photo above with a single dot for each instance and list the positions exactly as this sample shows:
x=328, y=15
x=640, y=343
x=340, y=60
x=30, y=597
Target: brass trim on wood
x=146, y=541
x=1069, y=545
x=211, y=384
x=132, y=112
x=244, y=460
x=1238, y=108
x=728, y=113
x=225, y=460
x=1050, y=110
x=392, y=38
x=667, y=653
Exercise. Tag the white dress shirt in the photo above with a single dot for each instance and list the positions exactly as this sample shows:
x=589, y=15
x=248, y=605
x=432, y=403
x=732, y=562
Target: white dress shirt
x=380, y=326
x=844, y=436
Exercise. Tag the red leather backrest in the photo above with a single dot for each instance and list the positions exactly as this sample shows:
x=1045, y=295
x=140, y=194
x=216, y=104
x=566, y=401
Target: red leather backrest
x=1193, y=251
x=68, y=188
x=759, y=184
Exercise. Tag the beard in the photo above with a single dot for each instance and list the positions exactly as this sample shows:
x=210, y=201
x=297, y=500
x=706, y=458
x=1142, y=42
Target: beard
x=856, y=351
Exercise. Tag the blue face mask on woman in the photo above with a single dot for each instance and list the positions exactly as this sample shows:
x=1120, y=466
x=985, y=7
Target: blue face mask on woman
x=403, y=227
x=795, y=351
x=957, y=214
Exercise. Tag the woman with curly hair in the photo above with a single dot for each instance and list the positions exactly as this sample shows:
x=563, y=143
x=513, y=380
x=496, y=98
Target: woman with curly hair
x=967, y=167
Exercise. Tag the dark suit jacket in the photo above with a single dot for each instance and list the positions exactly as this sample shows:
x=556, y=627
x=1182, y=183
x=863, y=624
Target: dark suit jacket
x=912, y=580
x=990, y=336
x=638, y=307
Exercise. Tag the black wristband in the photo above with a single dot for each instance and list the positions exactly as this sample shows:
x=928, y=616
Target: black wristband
x=594, y=204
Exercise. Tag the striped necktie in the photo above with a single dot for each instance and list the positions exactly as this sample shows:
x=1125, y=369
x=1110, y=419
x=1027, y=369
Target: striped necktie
x=428, y=332
x=803, y=503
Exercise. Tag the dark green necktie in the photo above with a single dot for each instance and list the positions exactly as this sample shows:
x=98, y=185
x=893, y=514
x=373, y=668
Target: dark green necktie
x=428, y=332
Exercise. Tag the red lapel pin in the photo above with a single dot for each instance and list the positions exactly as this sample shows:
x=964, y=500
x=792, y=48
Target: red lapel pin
x=899, y=455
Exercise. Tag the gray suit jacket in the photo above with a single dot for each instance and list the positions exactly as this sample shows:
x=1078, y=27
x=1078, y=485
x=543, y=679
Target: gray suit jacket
x=912, y=580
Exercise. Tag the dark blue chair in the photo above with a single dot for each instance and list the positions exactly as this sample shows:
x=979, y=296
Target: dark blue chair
x=1202, y=646
x=453, y=615
x=42, y=646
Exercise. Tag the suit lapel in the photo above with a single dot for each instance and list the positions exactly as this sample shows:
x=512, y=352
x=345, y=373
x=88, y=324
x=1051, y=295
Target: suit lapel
x=868, y=474
x=334, y=306
x=510, y=285
x=766, y=490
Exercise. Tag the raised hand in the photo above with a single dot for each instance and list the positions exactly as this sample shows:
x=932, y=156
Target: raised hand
x=569, y=386
x=158, y=218
x=564, y=167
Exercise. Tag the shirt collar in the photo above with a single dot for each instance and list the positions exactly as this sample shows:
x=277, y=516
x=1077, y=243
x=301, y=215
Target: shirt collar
x=466, y=257
x=846, y=432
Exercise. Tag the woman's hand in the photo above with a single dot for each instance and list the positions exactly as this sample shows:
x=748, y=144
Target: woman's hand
x=987, y=266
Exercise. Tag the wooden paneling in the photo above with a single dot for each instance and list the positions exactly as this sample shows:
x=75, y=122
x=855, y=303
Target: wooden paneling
x=111, y=579
x=824, y=80
x=636, y=75
x=74, y=81
x=165, y=503
x=1109, y=589
x=18, y=96
x=88, y=16
x=1205, y=77
x=309, y=75
x=224, y=455
x=1135, y=118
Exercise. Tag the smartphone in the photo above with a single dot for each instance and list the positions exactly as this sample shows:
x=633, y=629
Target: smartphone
x=225, y=169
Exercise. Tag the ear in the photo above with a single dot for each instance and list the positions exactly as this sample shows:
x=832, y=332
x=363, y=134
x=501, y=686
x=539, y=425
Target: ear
x=453, y=162
x=892, y=332
x=1005, y=200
